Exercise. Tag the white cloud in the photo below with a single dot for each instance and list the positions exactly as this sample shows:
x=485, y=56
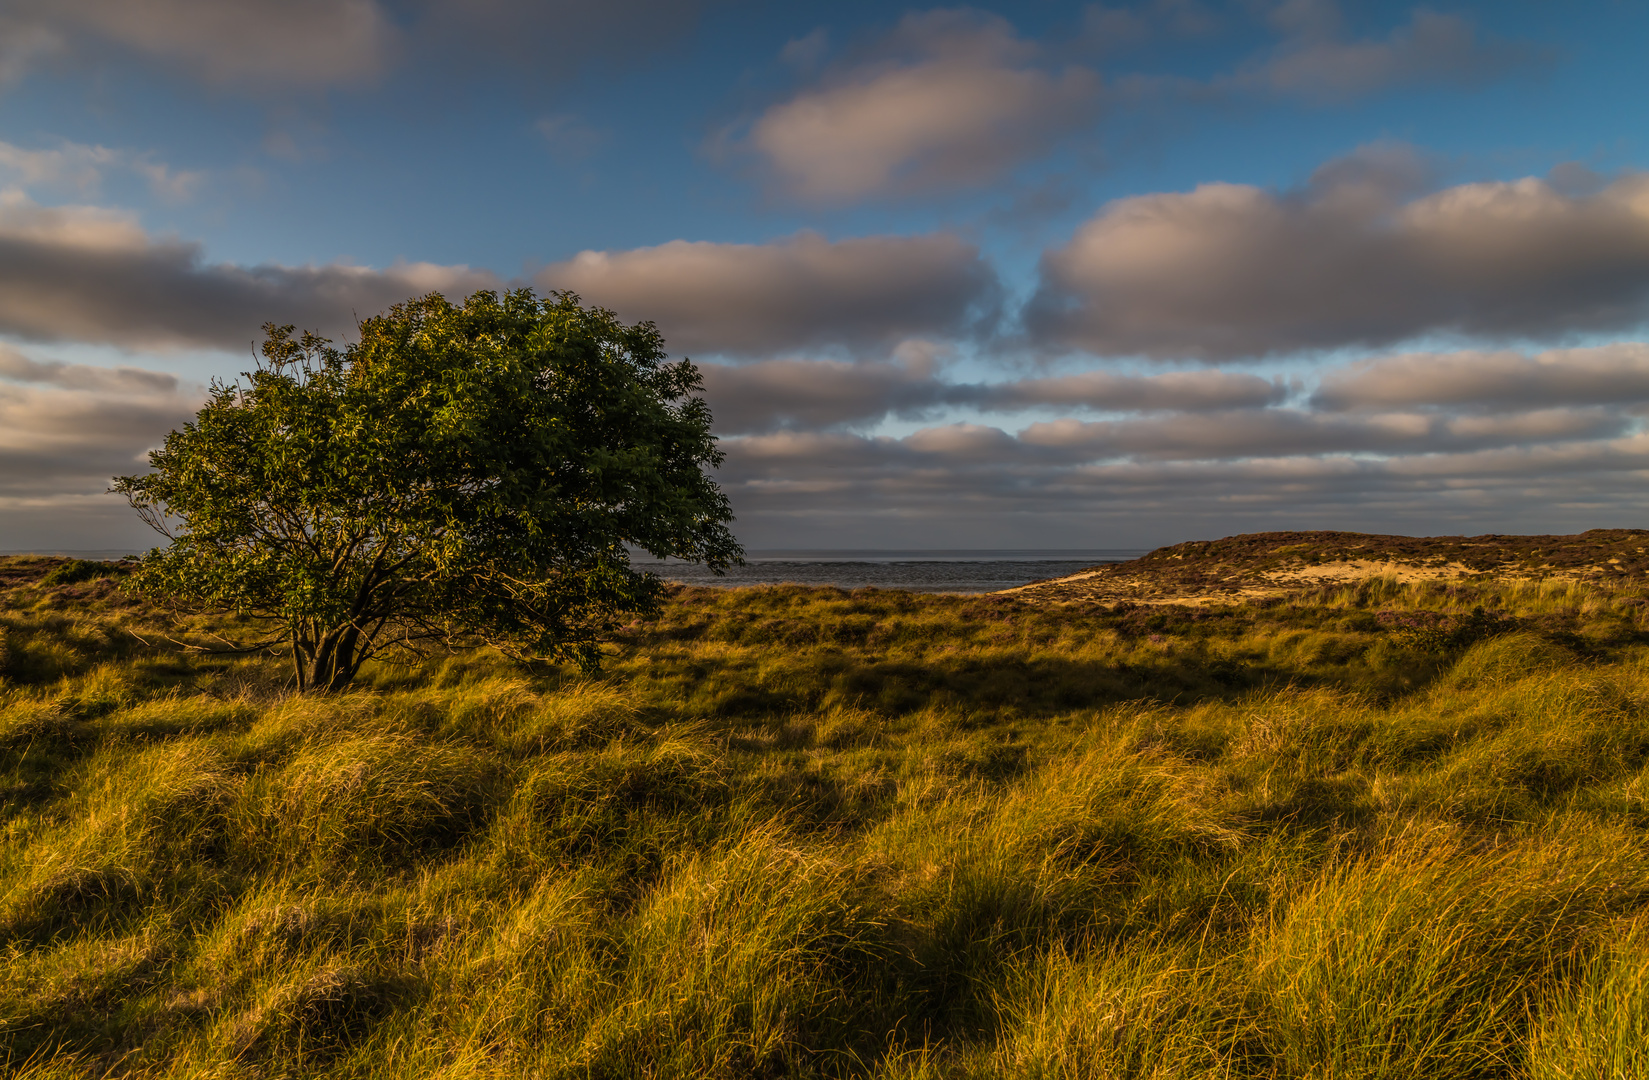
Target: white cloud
x=961, y=103
x=72, y=165
x=81, y=168
x=1230, y=270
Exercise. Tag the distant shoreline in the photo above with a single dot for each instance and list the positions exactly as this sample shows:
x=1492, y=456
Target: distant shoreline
x=93, y=554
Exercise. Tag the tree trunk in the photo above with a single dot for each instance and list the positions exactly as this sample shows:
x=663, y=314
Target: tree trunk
x=331, y=664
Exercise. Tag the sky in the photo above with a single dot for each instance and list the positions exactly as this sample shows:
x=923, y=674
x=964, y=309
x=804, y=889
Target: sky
x=1035, y=275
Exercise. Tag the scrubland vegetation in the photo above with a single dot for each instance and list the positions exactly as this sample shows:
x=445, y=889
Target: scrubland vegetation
x=1371, y=832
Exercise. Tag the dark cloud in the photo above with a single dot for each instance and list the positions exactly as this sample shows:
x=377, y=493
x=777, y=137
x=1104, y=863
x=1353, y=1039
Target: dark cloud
x=754, y=299
x=79, y=274
x=543, y=40
x=826, y=393
x=302, y=46
x=1316, y=62
x=1228, y=271
x=19, y=368
x=1464, y=442
x=815, y=393
x=91, y=275
x=807, y=489
x=60, y=447
x=65, y=431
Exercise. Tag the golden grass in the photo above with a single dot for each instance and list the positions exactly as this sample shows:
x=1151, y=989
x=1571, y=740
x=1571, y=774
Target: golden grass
x=810, y=833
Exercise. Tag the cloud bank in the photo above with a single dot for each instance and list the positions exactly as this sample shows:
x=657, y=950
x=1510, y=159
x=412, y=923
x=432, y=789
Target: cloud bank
x=1539, y=441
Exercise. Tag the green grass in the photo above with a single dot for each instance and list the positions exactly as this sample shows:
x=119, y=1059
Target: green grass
x=805, y=833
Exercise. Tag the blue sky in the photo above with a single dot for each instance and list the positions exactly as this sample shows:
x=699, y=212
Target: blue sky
x=1034, y=275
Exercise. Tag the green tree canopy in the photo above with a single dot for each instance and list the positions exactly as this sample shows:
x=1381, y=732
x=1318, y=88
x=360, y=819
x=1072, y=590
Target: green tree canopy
x=462, y=474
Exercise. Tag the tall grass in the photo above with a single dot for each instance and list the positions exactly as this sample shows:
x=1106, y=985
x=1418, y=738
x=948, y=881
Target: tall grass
x=794, y=832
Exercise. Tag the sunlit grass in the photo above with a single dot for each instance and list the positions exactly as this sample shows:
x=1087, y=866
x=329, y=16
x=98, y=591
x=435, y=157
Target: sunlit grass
x=800, y=832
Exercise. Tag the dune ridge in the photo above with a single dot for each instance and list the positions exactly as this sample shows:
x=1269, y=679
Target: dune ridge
x=1254, y=566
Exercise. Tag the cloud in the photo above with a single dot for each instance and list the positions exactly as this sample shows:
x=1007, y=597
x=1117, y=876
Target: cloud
x=251, y=43
x=1613, y=374
x=73, y=165
x=804, y=290
x=1191, y=391
x=167, y=184
x=1108, y=29
x=64, y=435
x=968, y=488
x=94, y=275
x=545, y=40
x=568, y=137
x=1286, y=432
x=960, y=102
x=19, y=368
x=305, y=46
x=814, y=394
x=1469, y=441
x=1230, y=270
x=81, y=168
x=68, y=434
x=87, y=274
x=1314, y=61
x=806, y=52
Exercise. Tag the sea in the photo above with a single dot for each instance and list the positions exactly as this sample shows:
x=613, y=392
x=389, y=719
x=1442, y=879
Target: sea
x=933, y=570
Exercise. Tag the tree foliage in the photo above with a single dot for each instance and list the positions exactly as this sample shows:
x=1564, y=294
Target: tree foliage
x=461, y=474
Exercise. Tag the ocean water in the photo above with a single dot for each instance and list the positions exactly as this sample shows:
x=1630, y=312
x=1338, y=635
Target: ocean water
x=936, y=570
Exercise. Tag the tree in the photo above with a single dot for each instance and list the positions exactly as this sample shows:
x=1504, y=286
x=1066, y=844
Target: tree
x=462, y=474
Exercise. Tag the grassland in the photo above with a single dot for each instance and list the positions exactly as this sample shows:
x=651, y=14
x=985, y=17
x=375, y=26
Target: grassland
x=1370, y=831
x=1266, y=566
